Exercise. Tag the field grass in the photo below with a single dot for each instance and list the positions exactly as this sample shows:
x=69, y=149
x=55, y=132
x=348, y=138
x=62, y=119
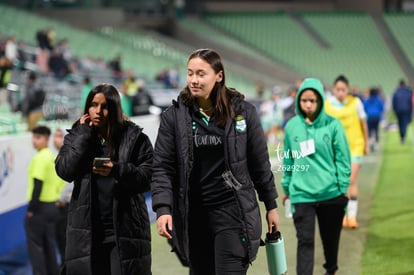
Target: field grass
x=389, y=247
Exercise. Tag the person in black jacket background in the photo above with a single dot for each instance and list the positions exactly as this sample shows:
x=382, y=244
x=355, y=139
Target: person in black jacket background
x=402, y=106
x=210, y=156
x=108, y=230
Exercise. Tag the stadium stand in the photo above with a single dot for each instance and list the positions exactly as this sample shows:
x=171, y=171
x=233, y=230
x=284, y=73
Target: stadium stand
x=140, y=53
x=354, y=44
x=168, y=56
x=401, y=26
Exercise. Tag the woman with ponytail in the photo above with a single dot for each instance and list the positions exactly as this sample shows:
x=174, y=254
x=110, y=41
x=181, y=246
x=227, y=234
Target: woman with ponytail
x=209, y=158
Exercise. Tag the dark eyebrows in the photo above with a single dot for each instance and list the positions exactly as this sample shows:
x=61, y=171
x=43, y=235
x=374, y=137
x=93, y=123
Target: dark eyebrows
x=197, y=71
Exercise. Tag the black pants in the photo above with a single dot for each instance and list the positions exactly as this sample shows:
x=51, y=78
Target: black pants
x=40, y=234
x=373, y=127
x=217, y=245
x=403, y=121
x=61, y=225
x=105, y=259
x=329, y=214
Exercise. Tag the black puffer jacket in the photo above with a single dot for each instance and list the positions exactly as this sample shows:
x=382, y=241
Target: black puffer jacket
x=132, y=174
x=245, y=153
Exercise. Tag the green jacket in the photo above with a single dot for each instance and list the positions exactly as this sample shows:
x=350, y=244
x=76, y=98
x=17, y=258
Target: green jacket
x=324, y=173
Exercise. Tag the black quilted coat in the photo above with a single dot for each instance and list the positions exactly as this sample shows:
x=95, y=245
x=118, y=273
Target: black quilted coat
x=245, y=153
x=132, y=174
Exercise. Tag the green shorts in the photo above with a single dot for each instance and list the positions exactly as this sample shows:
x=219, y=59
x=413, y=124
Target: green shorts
x=357, y=159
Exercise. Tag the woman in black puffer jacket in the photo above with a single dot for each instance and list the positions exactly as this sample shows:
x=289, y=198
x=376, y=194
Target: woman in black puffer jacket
x=108, y=226
x=210, y=158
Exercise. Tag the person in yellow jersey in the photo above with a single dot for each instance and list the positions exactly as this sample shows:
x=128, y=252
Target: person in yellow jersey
x=350, y=111
x=42, y=194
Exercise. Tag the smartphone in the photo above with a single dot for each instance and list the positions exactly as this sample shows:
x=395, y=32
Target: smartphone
x=100, y=161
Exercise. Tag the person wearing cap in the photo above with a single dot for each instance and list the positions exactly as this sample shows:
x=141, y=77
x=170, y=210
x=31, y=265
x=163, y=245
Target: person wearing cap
x=316, y=167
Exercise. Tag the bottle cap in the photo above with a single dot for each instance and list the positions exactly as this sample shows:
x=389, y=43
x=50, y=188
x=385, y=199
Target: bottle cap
x=274, y=236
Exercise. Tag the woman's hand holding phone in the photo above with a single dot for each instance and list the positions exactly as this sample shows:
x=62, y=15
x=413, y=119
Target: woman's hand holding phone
x=102, y=166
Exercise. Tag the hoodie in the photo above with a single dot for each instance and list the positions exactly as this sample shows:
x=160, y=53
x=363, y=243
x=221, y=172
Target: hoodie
x=316, y=157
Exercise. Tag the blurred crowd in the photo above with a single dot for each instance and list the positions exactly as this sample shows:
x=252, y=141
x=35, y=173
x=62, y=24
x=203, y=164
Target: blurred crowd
x=279, y=107
x=43, y=67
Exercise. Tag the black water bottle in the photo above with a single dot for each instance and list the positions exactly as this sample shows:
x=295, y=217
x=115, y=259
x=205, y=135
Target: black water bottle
x=275, y=252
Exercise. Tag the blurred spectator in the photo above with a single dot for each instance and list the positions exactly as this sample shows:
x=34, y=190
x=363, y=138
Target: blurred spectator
x=259, y=89
x=173, y=78
x=259, y=92
x=129, y=86
x=169, y=77
x=116, y=68
x=289, y=109
x=51, y=37
x=64, y=48
x=10, y=50
x=58, y=65
x=403, y=108
x=271, y=115
x=22, y=57
x=277, y=118
x=86, y=88
x=126, y=101
x=5, y=71
x=162, y=76
x=357, y=93
x=42, y=60
x=374, y=108
x=43, y=38
x=142, y=101
x=34, y=97
x=2, y=44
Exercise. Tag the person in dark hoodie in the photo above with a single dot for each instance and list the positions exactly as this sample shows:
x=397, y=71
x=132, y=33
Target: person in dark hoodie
x=108, y=229
x=317, y=167
x=209, y=158
x=403, y=108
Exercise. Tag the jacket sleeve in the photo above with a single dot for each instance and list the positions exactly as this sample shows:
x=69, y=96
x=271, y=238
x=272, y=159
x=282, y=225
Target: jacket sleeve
x=135, y=176
x=37, y=190
x=394, y=102
x=71, y=157
x=258, y=160
x=164, y=166
x=342, y=158
x=288, y=161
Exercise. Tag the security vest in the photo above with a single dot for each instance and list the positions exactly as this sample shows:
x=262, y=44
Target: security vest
x=42, y=167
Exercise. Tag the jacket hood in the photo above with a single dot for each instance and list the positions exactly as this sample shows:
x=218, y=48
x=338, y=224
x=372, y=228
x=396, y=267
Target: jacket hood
x=315, y=85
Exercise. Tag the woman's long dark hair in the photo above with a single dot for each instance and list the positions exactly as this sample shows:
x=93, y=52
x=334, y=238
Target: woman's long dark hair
x=342, y=78
x=221, y=96
x=115, y=115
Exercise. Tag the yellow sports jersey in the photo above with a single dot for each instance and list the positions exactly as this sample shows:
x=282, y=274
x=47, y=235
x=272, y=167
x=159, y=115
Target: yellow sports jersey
x=42, y=167
x=348, y=115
